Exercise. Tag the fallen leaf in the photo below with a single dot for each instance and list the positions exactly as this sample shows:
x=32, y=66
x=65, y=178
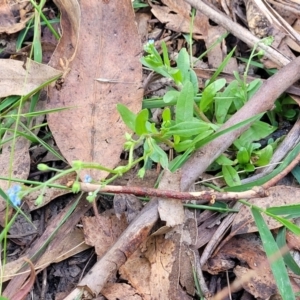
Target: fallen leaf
x=217, y=53
x=249, y=251
x=176, y=15
x=25, y=289
x=71, y=244
x=171, y=210
x=102, y=231
x=123, y=291
x=19, y=79
x=278, y=195
x=108, y=49
x=137, y=271
x=8, y=17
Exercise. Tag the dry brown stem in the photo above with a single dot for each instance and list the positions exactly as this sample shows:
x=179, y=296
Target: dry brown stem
x=200, y=197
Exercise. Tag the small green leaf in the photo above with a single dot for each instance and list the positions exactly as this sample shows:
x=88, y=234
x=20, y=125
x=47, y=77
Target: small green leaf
x=185, y=103
x=249, y=167
x=171, y=97
x=231, y=176
x=222, y=160
x=140, y=122
x=156, y=153
x=127, y=116
x=264, y=156
x=243, y=156
x=166, y=115
x=256, y=132
x=210, y=92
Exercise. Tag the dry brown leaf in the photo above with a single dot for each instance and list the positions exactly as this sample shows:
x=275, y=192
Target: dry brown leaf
x=8, y=19
x=247, y=249
x=171, y=210
x=123, y=291
x=102, y=231
x=109, y=49
x=17, y=79
x=176, y=15
x=278, y=195
x=71, y=244
x=137, y=271
x=218, y=53
x=26, y=288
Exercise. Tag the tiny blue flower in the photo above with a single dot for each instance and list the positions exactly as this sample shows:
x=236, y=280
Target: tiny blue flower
x=13, y=196
x=87, y=178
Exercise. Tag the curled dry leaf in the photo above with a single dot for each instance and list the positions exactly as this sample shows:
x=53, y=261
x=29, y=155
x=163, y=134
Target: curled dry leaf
x=19, y=79
x=108, y=49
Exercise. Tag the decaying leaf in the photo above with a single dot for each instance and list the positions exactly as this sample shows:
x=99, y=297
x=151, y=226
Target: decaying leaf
x=103, y=231
x=249, y=251
x=23, y=292
x=278, y=195
x=8, y=17
x=70, y=244
x=124, y=291
x=19, y=79
x=171, y=210
x=176, y=15
x=108, y=50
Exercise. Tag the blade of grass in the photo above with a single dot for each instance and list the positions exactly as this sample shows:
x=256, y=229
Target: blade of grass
x=38, y=8
x=278, y=267
x=287, y=257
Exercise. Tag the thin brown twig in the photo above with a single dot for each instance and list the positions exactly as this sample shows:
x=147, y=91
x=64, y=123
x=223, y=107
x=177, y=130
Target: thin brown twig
x=200, y=197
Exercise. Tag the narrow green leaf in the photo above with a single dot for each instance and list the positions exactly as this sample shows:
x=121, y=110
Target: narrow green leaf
x=183, y=64
x=187, y=129
x=185, y=103
x=194, y=80
x=165, y=54
x=222, y=66
x=296, y=173
x=127, y=116
x=140, y=122
x=278, y=267
x=231, y=176
x=287, y=257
